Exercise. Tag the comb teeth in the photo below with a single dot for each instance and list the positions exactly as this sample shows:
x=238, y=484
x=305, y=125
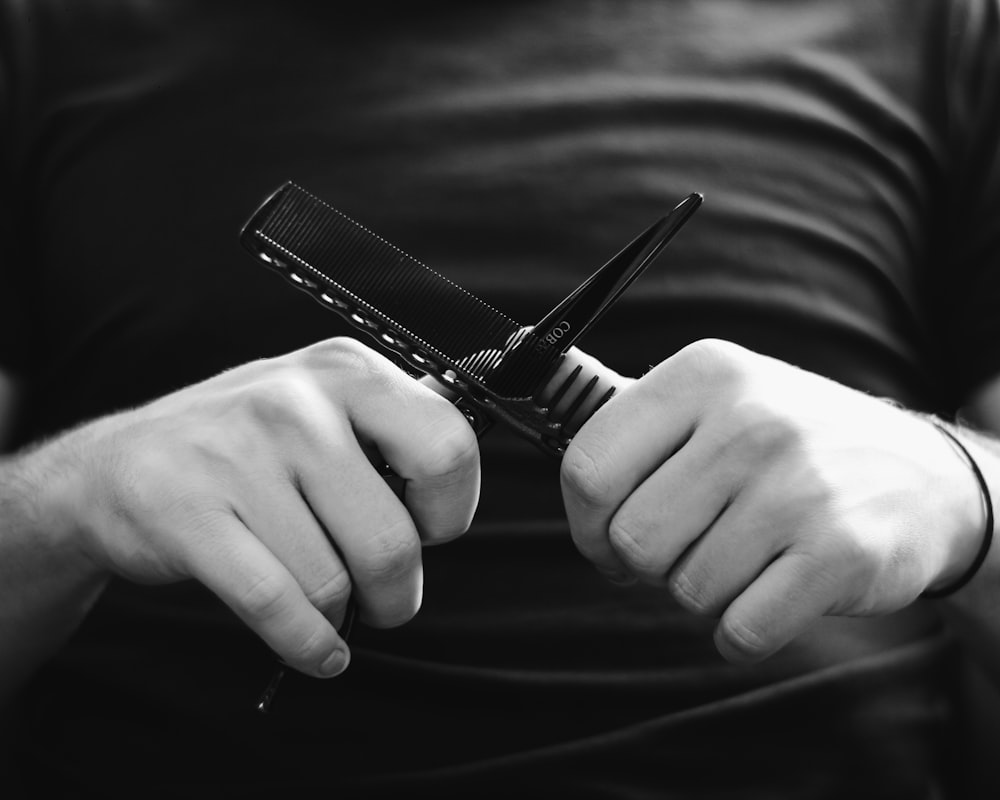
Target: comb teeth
x=565, y=415
x=380, y=289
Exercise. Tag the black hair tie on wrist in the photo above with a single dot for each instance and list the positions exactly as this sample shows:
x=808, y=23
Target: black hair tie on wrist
x=984, y=548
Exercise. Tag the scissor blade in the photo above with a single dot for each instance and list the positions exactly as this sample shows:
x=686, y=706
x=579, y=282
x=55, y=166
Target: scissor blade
x=575, y=315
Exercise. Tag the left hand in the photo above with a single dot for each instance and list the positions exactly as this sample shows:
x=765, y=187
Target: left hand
x=767, y=496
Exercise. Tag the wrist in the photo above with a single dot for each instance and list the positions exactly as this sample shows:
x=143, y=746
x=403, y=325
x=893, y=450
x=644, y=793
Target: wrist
x=45, y=502
x=972, y=517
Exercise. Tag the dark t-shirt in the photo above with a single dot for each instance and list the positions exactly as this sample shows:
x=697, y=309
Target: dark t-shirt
x=848, y=154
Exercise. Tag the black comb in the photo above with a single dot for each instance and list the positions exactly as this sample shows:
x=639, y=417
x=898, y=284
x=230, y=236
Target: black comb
x=434, y=323
x=496, y=366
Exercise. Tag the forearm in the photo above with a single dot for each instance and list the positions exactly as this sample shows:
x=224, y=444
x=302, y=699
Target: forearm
x=47, y=584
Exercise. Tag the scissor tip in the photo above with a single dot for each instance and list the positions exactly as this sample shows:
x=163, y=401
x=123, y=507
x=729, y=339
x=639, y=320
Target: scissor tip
x=681, y=212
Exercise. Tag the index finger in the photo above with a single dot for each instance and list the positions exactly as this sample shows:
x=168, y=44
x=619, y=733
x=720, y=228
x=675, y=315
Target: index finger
x=427, y=441
x=613, y=453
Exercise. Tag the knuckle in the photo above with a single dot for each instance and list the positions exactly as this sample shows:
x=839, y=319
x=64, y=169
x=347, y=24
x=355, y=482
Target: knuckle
x=285, y=399
x=739, y=641
x=351, y=361
x=583, y=479
x=391, y=555
x=264, y=598
x=632, y=546
x=710, y=369
x=758, y=431
x=452, y=452
x=693, y=595
x=299, y=388
x=331, y=595
x=339, y=352
x=711, y=357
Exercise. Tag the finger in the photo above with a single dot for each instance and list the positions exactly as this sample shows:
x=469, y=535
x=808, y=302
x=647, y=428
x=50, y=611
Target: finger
x=615, y=451
x=437, y=387
x=428, y=442
x=371, y=528
x=420, y=435
x=790, y=595
x=234, y=564
x=738, y=546
x=287, y=525
x=667, y=513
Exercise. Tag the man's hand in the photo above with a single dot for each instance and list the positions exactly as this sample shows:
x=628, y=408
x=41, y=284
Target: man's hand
x=767, y=496
x=264, y=484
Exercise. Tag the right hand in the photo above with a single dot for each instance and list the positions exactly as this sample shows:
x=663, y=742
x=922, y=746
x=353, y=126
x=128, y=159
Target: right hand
x=263, y=484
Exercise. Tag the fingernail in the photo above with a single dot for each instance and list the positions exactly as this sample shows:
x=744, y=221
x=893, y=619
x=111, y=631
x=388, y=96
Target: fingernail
x=335, y=663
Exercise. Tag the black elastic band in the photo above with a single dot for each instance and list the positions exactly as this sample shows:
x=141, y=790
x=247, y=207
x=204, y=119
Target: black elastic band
x=984, y=548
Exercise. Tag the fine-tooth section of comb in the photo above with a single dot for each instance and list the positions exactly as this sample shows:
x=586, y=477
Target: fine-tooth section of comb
x=436, y=325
